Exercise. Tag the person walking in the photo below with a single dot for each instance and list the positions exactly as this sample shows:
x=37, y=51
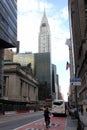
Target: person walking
x=47, y=117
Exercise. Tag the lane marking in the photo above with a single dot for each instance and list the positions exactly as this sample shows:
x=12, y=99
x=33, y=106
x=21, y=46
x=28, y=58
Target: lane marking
x=27, y=124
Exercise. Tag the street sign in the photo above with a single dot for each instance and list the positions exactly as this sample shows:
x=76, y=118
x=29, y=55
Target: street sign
x=75, y=81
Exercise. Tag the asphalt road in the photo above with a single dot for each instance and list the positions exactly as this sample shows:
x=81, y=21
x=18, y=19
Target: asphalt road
x=56, y=123
x=10, y=122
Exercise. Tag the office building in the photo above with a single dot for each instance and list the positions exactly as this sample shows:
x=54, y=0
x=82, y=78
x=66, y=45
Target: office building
x=71, y=94
x=44, y=36
x=8, y=31
x=78, y=31
x=8, y=23
x=43, y=64
x=43, y=73
x=54, y=82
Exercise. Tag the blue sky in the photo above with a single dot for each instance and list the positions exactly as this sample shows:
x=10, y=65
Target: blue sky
x=30, y=13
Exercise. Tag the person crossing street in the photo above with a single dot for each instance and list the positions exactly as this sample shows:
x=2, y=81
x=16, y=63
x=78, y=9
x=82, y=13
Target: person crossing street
x=47, y=117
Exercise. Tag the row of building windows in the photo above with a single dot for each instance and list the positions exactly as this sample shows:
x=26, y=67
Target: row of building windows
x=8, y=16
x=24, y=92
x=10, y=8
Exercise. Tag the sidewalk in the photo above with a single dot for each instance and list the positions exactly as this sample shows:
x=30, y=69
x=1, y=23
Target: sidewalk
x=71, y=124
x=83, y=119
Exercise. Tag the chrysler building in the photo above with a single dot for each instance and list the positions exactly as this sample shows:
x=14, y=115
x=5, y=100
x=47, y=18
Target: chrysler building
x=44, y=36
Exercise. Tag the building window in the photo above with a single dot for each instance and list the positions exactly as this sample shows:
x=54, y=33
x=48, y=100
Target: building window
x=34, y=89
x=21, y=84
x=44, y=24
x=28, y=93
x=4, y=86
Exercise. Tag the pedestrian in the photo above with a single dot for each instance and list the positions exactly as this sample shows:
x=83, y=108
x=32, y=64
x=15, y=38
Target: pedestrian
x=47, y=117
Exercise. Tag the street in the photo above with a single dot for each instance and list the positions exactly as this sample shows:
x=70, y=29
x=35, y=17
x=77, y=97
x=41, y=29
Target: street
x=10, y=122
x=30, y=121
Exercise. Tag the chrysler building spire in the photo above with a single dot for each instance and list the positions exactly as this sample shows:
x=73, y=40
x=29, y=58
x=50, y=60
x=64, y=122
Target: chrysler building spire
x=44, y=35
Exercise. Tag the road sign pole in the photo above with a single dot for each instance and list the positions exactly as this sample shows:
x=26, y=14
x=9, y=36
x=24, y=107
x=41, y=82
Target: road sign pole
x=77, y=113
x=76, y=98
x=76, y=82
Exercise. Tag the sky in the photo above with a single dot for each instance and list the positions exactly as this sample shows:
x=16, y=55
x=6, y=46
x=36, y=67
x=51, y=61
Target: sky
x=30, y=14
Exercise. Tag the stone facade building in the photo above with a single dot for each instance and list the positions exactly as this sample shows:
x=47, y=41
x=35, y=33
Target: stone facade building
x=78, y=31
x=71, y=94
x=18, y=84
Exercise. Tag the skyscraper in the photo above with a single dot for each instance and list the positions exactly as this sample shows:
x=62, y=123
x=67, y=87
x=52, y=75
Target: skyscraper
x=8, y=31
x=44, y=35
x=43, y=72
x=8, y=23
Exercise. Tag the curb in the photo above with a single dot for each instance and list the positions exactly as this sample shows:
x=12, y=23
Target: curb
x=15, y=112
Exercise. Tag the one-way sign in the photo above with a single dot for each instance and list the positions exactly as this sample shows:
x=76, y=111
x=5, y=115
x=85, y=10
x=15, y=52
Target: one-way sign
x=75, y=81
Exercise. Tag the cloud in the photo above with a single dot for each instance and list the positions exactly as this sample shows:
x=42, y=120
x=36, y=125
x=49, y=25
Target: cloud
x=28, y=25
x=30, y=13
x=25, y=6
